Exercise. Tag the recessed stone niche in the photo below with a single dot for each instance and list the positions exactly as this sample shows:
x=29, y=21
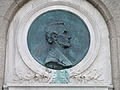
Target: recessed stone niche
x=58, y=44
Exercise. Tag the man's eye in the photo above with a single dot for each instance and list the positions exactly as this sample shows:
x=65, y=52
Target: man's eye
x=54, y=36
x=65, y=32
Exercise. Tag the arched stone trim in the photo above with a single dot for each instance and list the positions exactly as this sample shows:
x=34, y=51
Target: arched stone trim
x=106, y=15
x=96, y=3
x=109, y=20
x=113, y=40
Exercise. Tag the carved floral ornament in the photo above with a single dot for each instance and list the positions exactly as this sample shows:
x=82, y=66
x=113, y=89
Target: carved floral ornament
x=55, y=65
x=89, y=77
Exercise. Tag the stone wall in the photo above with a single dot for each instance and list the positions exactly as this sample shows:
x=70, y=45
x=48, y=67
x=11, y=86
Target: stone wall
x=110, y=9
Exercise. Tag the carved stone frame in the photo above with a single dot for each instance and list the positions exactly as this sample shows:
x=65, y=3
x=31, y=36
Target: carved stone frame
x=29, y=18
x=73, y=7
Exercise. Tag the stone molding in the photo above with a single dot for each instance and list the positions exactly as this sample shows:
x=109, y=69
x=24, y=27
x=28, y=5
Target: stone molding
x=22, y=43
x=34, y=72
x=111, y=25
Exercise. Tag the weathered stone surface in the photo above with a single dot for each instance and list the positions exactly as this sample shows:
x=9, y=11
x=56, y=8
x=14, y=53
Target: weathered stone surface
x=3, y=27
x=114, y=8
x=4, y=5
x=115, y=63
x=102, y=8
x=112, y=5
x=111, y=28
x=119, y=58
x=21, y=2
x=1, y=83
x=3, y=30
x=11, y=11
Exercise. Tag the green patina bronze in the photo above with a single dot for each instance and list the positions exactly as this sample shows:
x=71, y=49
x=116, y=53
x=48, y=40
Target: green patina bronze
x=61, y=77
x=58, y=39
